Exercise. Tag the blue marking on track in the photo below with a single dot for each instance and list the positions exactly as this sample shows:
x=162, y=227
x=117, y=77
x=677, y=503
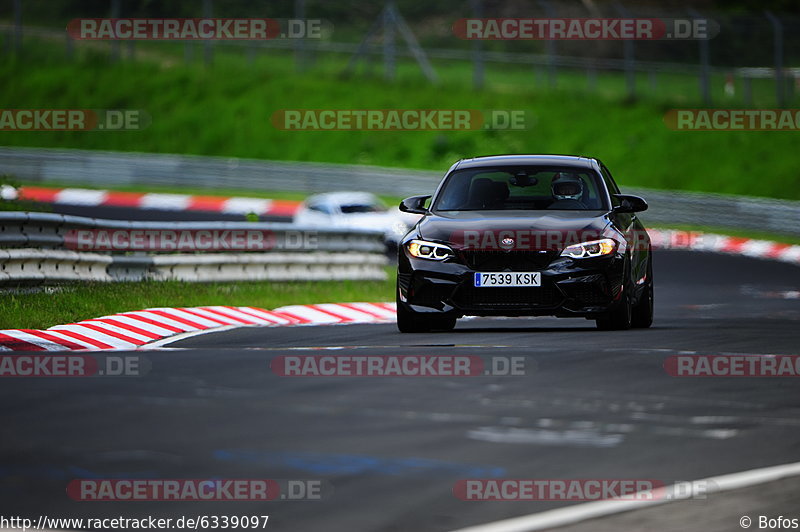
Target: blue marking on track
x=355, y=464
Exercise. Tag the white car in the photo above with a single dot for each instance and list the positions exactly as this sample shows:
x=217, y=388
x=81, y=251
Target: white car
x=358, y=210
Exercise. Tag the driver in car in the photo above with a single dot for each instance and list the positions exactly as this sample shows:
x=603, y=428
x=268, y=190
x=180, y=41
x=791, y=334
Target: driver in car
x=567, y=192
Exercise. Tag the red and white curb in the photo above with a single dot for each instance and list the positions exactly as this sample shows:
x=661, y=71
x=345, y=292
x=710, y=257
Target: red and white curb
x=170, y=202
x=749, y=247
x=131, y=330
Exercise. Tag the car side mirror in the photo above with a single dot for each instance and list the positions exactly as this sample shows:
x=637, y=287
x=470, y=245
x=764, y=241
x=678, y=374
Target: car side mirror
x=629, y=204
x=414, y=204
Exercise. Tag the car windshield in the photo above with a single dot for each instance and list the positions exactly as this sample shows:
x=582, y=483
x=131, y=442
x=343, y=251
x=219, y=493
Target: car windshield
x=355, y=208
x=521, y=188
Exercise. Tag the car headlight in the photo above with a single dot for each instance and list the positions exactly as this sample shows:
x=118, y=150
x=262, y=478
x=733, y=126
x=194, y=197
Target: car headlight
x=428, y=250
x=593, y=248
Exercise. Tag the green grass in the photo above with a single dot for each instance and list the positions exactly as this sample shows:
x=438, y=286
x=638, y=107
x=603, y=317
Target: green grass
x=50, y=306
x=225, y=110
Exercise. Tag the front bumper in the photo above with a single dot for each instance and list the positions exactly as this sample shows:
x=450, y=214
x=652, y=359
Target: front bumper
x=569, y=288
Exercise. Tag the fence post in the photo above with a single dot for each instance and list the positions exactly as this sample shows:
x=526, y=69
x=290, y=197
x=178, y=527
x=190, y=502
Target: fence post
x=413, y=46
x=747, y=90
x=363, y=47
x=208, y=52
x=391, y=20
x=550, y=46
x=188, y=52
x=777, y=27
x=115, y=44
x=591, y=76
x=477, y=48
x=630, y=58
x=300, y=44
x=17, y=26
x=69, y=47
x=705, y=71
x=652, y=76
x=389, y=50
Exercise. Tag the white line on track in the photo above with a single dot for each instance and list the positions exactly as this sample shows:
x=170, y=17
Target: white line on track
x=591, y=510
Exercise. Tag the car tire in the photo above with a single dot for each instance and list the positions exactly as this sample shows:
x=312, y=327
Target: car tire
x=618, y=319
x=642, y=316
x=409, y=321
x=443, y=323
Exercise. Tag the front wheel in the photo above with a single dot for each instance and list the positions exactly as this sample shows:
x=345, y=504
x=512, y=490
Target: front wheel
x=642, y=317
x=409, y=321
x=618, y=319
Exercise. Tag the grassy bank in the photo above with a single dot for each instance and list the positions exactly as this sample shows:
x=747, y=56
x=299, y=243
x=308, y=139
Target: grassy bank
x=225, y=110
x=45, y=307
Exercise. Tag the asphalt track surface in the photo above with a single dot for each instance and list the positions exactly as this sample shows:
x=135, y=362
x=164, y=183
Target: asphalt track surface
x=592, y=404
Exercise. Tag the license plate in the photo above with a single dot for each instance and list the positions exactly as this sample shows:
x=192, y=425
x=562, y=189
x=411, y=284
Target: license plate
x=509, y=279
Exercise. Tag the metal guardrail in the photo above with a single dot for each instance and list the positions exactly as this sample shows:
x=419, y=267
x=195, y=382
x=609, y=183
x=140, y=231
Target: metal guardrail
x=43, y=265
x=48, y=230
x=32, y=249
x=720, y=211
x=309, y=266
x=118, y=168
x=114, y=169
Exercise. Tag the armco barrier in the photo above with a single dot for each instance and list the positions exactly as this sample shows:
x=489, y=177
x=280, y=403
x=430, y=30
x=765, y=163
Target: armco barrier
x=269, y=267
x=32, y=249
x=48, y=230
x=108, y=169
x=105, y=169
x=41, y=265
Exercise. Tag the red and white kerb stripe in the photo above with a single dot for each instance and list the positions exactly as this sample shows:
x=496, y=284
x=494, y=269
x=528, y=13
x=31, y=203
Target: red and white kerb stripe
x=130, y=330
x=169, y=202
x=749, y=247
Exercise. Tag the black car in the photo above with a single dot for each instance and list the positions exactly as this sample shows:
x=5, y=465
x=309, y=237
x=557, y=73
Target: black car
x=525, y=235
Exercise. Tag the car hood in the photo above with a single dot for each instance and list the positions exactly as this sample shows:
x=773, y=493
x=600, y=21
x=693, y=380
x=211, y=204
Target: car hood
x=452, y=226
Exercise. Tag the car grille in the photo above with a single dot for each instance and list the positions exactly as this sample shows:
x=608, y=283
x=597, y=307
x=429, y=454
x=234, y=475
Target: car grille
x=513, y=260
x=505, y=298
